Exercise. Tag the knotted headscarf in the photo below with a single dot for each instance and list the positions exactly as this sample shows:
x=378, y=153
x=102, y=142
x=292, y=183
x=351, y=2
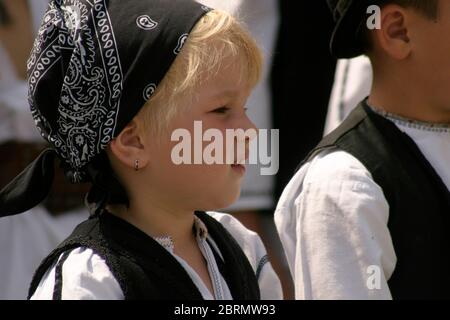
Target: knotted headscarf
x=93, y=66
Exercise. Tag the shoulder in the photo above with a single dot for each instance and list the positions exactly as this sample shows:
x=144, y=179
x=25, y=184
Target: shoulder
x=335, y=168
x=249, y=241
x=340, y=179
x=333, y=183
x=335, y=164
x=253, y=247
x=83, y=275
x=328, y=170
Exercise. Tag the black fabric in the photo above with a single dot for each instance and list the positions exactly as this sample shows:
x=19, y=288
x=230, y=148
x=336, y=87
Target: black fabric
x=30, y=187
x=94, y=64
x=57, y=292
x=350, y=17
x=106, y=188
x=238, y=273
x=419, y=201
x=144, y=269
x=301, y=82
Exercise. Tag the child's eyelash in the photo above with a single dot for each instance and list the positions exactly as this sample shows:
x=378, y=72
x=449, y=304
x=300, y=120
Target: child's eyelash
x=221, y=110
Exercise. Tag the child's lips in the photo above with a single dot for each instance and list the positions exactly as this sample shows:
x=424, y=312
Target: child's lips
x=238, y=168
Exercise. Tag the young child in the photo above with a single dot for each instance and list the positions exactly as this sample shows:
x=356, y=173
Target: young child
x=109, y=84
x=367, y=214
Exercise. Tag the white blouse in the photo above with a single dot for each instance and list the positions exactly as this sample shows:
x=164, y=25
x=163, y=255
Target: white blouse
x=85, y=275
x=332, y=220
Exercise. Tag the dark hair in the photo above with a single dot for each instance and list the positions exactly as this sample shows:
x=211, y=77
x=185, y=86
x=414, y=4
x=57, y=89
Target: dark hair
x=106, y=188
x=4, y=16
x=428, y=8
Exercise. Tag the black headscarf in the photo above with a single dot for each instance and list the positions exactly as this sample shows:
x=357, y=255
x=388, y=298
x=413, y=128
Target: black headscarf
x=94, y=64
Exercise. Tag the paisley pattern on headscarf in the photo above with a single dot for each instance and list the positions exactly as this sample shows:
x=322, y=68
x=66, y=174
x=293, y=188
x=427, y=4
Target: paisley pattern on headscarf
x=89, y=99
x=93, y=65
x=78, y=37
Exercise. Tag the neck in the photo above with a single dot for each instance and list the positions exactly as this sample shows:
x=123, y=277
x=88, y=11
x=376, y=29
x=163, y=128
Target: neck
x=401, y=98
x=159, y=220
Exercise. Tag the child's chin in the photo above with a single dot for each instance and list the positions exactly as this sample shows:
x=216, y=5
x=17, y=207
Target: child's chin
x=224, y=200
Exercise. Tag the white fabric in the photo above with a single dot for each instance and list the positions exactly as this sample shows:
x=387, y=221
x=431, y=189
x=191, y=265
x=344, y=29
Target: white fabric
x=95, y=281
x=255, y=251
x=433, y=142
x=25, y=240
x=220, y=287
x=86, y=276
x=262, y=20
x=352, y=83
x=16, y=122
x=332, y=220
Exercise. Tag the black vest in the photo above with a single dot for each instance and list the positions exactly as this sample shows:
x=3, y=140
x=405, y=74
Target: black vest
x=146, y=270
x=419, y=201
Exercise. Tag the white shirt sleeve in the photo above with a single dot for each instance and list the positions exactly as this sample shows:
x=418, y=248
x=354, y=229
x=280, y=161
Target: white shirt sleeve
x=253, y=247
x=85, y=276
x=332, y=220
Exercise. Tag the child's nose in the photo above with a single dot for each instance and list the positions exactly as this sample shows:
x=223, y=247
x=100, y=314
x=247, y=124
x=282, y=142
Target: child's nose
x=250, y=125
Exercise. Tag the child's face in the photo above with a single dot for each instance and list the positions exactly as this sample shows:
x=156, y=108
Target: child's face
x=220, y=104
x=431, y=56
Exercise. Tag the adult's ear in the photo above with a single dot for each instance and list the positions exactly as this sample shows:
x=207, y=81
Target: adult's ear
x=393, y=38
x=128, y=147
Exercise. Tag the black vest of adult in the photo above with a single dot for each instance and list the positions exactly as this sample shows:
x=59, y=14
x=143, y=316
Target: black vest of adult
x=419, y=201
x=146, y=270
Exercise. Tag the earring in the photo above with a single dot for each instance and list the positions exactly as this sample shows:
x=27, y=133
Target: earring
x=136, y=165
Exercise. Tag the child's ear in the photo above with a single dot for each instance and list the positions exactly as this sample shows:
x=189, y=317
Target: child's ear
x=129, y=147
x=393, y=36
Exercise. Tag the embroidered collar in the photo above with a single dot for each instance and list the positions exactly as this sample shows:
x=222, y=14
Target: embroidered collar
x=200, y=230
x=415, y=124
x=166, y=242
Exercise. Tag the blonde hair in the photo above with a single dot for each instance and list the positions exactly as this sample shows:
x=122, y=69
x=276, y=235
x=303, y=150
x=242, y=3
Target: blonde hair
x=215, y=37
